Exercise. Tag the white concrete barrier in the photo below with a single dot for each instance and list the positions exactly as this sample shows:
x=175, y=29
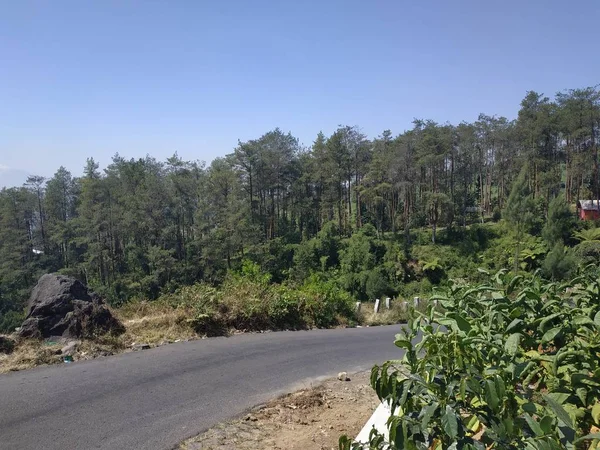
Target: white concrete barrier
x=378, y=421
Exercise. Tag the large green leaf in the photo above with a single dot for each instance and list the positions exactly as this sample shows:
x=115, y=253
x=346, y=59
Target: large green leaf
x=560, y=412
x=596, y=413
x=462, y=323
x=559, y=397
x=428, y=414
x=583, y=320
x=551, y=334
x=511, y=346
x=491, y=396
x=548, y=320
x=546, y=424
x=403, y=343
x=450, y=422
x=533, y=425
x=500, y=387
x=514, y=325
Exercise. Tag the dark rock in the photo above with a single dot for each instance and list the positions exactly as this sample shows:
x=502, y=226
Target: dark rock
x=7, y=345
x=63, y=306
x=30, y=328
x=137, y=347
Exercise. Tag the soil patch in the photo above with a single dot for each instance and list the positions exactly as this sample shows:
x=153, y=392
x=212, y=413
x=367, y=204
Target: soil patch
x=312, y=418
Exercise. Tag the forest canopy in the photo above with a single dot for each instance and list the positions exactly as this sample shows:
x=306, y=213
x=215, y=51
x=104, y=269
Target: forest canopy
x=349, y=207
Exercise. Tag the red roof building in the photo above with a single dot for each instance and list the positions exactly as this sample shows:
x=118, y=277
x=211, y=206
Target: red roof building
x=588, y=209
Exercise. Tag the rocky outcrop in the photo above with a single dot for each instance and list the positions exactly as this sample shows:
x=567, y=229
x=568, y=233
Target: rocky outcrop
x=63, y=306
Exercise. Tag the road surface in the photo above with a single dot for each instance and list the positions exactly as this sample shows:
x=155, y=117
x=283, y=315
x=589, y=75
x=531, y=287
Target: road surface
x=154, y=399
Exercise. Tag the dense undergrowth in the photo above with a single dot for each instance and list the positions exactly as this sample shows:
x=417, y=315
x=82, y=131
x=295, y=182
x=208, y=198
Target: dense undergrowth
x=512, y=363
x=248, y=301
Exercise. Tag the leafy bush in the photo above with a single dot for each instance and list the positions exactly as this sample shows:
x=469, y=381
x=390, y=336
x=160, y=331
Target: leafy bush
x=247, y=300
x=496, y=214
x=10, y=320
x=510, y=364
x=588, y=252
x=560, y=223
x=560, y=263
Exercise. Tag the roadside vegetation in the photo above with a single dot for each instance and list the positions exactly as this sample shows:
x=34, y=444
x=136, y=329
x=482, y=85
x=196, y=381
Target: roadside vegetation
x=511, y=363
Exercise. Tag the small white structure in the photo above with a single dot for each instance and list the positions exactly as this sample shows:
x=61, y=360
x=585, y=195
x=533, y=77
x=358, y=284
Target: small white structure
x=37, y=252
x=357, y=307
x=388, y=303
x=416, y=302
x=376, y=307
x=378, y=420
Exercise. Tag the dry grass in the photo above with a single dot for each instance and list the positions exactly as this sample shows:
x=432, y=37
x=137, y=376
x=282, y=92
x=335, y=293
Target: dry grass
x=368, y=316
x=28, y=354
x=154, y=323
x=396, y=314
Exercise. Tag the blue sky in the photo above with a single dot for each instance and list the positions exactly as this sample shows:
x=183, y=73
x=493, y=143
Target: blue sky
x=92, y=78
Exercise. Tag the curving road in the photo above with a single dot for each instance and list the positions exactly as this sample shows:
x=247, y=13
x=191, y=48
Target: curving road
x=156, y=398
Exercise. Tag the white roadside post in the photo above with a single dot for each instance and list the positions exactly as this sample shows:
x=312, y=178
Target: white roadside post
x=416, y=302
x=378, y=421
x=376, y=308
x=388, y=303
x=357, y=307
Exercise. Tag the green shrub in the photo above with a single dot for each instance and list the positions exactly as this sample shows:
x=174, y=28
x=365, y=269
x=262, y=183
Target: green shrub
x=588, y=252
x=559, y=264
x=326, y=303
x=496, y=214
x=247, y=300
x=11, y=320
x=509, y=364
x=377, y=284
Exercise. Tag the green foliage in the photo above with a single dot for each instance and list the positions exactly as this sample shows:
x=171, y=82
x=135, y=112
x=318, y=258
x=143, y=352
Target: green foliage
x=520, y=211
x=10, y=320
x=560, y=223
x=361, y=259
x=560, y=263
x=346, y=209
x=511, y=363
x=496, y=214
x=318, y=254
x=588, y=235
x=251, y=272
x=248, y=301
x=588, y=252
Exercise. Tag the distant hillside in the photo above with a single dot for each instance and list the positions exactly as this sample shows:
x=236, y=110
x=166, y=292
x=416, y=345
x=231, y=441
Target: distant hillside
x=11, y=177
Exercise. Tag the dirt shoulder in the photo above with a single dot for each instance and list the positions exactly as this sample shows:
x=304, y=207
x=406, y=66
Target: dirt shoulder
x=311, y=418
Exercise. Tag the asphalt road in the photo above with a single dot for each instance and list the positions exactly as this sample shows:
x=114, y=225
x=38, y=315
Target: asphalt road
x=155, y=398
